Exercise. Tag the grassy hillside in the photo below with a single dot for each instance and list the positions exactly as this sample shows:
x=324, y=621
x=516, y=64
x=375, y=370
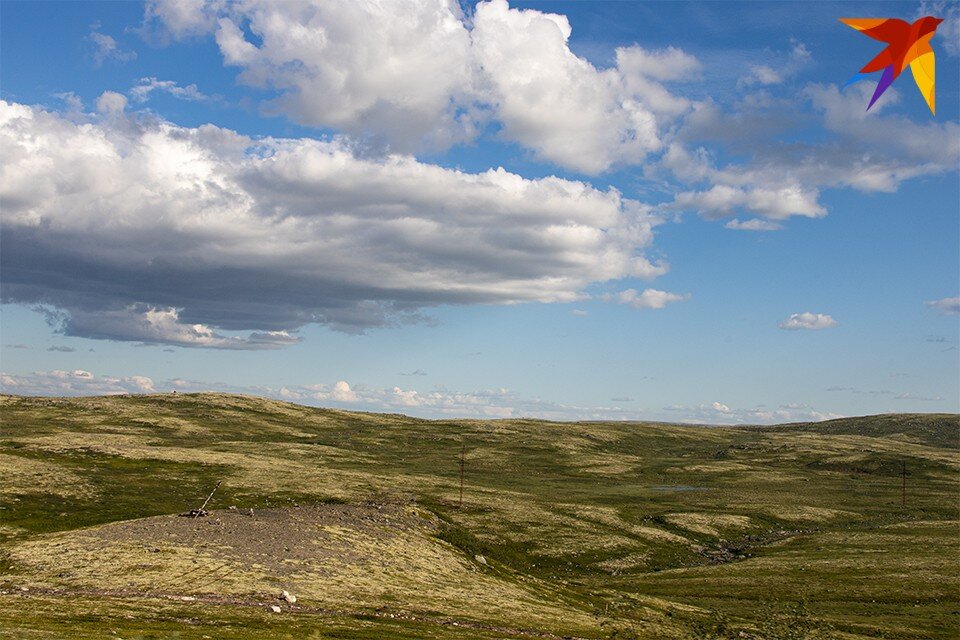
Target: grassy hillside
x=592, y=530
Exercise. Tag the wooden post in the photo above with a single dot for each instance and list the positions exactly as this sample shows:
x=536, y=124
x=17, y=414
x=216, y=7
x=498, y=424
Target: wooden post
x=204, y=505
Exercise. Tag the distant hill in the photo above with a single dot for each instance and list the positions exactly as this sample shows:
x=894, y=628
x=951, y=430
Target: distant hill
x=934, y=429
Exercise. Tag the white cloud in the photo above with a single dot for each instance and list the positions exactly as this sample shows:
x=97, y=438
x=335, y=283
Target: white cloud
x=73, y=383
x=761, y=74
x=423, y=75
x=807, y=320
x=161, y=233
x=106, y=48
x=755, y=224
x=777, y=203
x=72, y=101
x=913, y=396
x=664, y=64
x=142, y=383
x=338, y=392
x=556, y=103
x=868, y=152
x=649, y=298
x=400, y=71
x=720, y=413
x=111, y=102
x=183, y=18
x=142, y=90
x=945, y=306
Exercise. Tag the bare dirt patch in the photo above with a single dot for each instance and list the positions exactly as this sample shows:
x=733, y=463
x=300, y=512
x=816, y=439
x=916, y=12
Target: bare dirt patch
x=277, y=540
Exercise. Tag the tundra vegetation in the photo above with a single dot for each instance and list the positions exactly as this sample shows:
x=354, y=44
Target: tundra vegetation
x=843, y=529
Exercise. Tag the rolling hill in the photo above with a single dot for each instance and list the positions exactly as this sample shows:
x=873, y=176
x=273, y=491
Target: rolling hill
x=845, y=529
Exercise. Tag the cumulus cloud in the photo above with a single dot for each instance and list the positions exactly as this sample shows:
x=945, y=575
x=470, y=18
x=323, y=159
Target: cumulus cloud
x=945, y=306
x=560, y=105
x=111, y=102
x=146, y=231
x=106, y=48
x=425, y=76
x=338, y=392
x=649, y=298
x=400, y=71
x=807, y=320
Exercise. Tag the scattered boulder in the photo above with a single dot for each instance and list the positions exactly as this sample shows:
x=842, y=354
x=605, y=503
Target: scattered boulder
x=289, y=597
x=480, y=559
x=274, y=608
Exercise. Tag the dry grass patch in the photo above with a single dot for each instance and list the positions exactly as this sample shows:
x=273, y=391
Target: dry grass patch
x=710, y=524
x=29, y=475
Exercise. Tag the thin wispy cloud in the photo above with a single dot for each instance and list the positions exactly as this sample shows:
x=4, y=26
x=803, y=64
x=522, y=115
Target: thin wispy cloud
x=945, y=306
x=142, y=91
x=107, y=49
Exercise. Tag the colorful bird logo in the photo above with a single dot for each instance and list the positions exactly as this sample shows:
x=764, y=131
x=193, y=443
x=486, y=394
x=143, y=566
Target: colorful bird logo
x=907, y=44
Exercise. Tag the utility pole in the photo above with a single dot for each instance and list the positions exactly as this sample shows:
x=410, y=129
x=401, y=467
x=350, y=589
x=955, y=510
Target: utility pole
x=903, y=497
x=463, y=463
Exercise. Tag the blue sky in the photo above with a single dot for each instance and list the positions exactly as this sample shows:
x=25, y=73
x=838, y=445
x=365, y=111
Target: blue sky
x=568, y=210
